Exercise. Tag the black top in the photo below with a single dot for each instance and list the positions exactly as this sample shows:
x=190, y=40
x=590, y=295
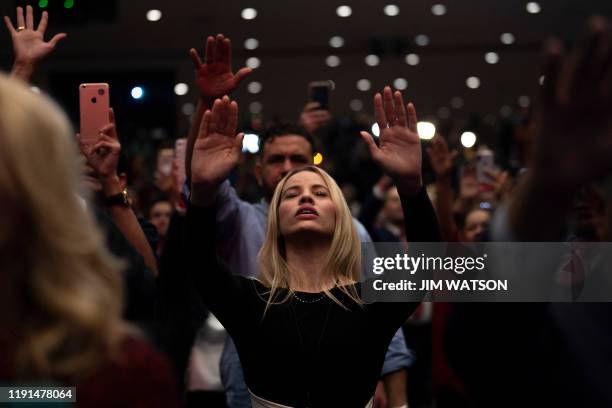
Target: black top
x=308, y=351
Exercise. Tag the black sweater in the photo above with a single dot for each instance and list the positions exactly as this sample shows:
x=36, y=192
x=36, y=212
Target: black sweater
x=303, y=354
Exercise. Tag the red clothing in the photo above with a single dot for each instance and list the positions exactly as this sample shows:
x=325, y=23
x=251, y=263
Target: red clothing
x=138, y=377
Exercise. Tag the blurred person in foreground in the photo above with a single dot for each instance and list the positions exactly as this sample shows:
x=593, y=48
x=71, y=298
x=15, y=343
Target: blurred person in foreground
x=60, y=289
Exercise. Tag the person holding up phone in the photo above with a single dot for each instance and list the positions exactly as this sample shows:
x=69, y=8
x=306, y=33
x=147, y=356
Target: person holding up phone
x=29, y=43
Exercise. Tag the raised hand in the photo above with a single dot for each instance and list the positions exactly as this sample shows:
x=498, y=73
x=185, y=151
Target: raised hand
x=575, y=142
x=103, y=156
x=399, y=154
x=312, y=118
x=216, y=151
x=214, y=76
x=442, y=160
x=29, y=43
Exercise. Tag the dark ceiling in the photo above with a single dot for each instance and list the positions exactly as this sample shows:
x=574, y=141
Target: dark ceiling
x=294, y=43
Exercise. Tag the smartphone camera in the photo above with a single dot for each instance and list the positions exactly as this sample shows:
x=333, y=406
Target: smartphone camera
x=101, y=92
x=94, y=100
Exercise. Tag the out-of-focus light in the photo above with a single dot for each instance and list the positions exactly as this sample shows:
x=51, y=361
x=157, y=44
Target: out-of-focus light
x=468, y=139
x=372, y=60
x=524, y=101
x=344, y=11
x=533, y=7
x=400, y=83
x=473, y=82
x=68, y=4
x=505, y=111
x=427, y=130
x=317, y=159
x=250, y=143
x=412, y=59
x=43, y=3
x=137, y=92
x=332, y=61
x=249, y=13
x=542, y=79
x=35, y=89
x=438, y=9
x=188, y=109
x=391, y=10
x=181, y=89
x=154, y=15
x=375, y=130
x=251, y=43
x=255, y=107
x=336, y=41
x=356, y=105
x=456, y=102
x=253, y=62
x=421, y=40
x=507, y=38
x=364, y=85
x=444, y=113
x=492, y=57
x=254, y=87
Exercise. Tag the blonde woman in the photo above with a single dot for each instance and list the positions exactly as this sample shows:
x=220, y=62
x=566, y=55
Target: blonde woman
x=303, y=334
x=60, y=290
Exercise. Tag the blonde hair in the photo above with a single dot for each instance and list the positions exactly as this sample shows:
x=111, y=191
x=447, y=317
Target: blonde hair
x=66, y=288
x=343, y=261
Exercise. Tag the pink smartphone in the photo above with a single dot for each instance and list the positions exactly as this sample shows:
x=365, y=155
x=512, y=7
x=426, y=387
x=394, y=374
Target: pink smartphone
x=94, y=105
x=165, y=157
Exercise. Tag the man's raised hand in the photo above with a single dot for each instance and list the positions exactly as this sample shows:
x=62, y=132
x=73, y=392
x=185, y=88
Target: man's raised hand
x=399, y=153
x=214, y=76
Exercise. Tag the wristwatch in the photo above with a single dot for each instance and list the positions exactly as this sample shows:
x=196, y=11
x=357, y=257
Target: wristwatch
x=122, y=199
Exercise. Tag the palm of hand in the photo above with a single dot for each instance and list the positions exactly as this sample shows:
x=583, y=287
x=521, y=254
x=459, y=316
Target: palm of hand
x=213, y=157
x=400, y=151
x=215, y=80
x=30, y=45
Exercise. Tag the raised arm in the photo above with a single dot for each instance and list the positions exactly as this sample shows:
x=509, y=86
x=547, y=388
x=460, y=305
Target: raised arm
x=214, y=78
x=29, y=43
x=399, y=156
x=574, y=145
x=104, y=159
x=442, y=161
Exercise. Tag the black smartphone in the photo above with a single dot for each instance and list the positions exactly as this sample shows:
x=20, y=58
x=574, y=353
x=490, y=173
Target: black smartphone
x=319, y=91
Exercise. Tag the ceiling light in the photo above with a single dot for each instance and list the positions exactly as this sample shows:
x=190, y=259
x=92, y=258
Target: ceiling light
x=533, y=7
x=492, y=57
x=253, y=62
x=254, y=87
x=344, y=11
x=438, y=9
x=251, y=43
x=421, y=40
x=400, y=83
x=391, y=10
x=154, y=15
x=336, y=42
x=412, y=59
x=249, y=13
x=473, y=82
x=372, y=60
x=507, y=38
x=468, y=139
x=426, y=130
x=181, y=89
x=364, y=85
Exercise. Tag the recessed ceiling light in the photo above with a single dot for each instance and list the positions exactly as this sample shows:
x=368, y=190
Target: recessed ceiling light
x=356, y=105
x=344, y=11
x=468, y=139
x=336, y=41
x=251, y=43
x=391, y=10
x=181, y=89
x=438, y=9
x=492, y=57
x=524, y=101
x=249, y=13
x=188, y=109
x=421, y=40
x=332, y=61
x=507, y=38
x=254, y=87
x=400, y=83
x=255, y=107
x=372, y=60
x=412, y=59
x=473, y=82
x=154, y=15
x=533, y=7
x=364, y=85
x=505, y=111
x=253, y=62
x=426, y=130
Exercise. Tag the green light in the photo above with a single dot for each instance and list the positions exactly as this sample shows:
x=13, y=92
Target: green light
x=68, y=4
x=43, y=3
